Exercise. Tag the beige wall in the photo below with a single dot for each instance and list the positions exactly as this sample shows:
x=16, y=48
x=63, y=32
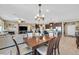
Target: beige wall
x=11, y=26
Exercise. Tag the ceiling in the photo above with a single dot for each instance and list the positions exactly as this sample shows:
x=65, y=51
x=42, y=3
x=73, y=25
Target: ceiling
x=52, y=12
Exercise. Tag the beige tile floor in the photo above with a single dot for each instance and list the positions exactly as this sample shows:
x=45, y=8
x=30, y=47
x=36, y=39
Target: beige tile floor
x=68, y=46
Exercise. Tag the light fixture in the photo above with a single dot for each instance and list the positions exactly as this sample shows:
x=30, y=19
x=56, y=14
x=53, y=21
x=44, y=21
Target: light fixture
x=20, y=21
x=47, y=10
x=50, y=24
x=39, y=16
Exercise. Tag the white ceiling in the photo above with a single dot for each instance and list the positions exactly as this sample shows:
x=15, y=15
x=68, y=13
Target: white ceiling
x=56, y=12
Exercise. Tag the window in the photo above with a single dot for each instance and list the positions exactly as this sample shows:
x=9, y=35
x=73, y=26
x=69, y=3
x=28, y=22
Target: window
x=0, y=28
x=71, y=30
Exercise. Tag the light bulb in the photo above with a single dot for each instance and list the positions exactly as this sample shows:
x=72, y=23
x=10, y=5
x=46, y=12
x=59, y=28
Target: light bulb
x=37, y=14
x=35, y=17
x=19, y=21
x=43, y=16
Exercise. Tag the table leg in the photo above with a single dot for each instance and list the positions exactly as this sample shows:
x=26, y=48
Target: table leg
x=34, y=51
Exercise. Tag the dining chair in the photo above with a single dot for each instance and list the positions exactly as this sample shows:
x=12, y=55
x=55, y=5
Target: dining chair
x=22, y=49
x=30, y=35
x=77, y=41
x=19, y=38
x=53, y=46
x=37, y=34
x=17, y=48
x=50, y=34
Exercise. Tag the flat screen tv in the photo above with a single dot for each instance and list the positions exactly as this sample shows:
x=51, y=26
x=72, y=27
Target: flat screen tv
x=22, y=28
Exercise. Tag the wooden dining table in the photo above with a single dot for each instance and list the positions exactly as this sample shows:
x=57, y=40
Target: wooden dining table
x=35, y=42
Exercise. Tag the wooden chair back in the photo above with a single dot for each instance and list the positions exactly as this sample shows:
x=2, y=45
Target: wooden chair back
x=50, y=46
x=53, y=45
x=17, y=47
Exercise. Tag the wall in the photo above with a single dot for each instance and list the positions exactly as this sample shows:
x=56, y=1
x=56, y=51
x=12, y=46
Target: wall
x=2, y=23
x=11, y=26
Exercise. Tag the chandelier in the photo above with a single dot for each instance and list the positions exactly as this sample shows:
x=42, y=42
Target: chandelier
x=40, y=16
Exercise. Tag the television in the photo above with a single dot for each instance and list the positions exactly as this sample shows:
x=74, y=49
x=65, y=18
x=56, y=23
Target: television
x=22, y=29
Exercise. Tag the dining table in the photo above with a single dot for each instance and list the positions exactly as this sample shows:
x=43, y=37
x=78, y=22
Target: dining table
x=35, y=42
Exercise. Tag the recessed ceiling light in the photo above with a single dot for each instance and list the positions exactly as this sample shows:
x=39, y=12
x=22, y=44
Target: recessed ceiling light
x=47, y=10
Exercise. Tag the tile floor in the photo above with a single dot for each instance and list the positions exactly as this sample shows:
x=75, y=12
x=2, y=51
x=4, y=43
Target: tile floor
x=68, y=46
